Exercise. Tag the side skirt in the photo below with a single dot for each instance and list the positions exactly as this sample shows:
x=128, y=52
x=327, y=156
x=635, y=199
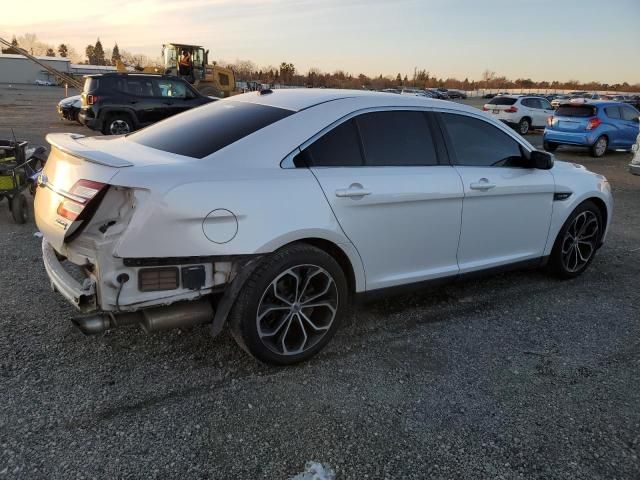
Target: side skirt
x=372, y=295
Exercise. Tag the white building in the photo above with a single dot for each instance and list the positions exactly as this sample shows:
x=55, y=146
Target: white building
x=19, y=69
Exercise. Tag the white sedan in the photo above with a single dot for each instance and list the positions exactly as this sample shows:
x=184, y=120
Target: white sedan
x=272, y=210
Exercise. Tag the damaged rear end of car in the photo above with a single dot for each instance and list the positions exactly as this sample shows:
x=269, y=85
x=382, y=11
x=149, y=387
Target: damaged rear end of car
x=85, y=209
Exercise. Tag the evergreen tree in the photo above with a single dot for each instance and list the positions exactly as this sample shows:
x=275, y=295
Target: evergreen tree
x=98, y=53
x=50, y=52
x=63, y=50
x=91, y=56
x=115, y=55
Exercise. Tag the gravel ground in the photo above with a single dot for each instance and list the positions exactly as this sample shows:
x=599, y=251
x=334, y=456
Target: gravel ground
x=514, y=376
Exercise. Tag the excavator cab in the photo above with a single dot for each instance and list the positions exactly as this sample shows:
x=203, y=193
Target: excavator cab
x=194, y=70
x=212, y=80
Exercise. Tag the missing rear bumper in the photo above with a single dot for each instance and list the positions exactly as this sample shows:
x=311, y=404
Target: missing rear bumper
x=81, y=295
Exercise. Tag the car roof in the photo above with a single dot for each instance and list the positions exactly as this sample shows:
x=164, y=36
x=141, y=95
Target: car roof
x=297, y=99
x=594, y=103
x=128, y=74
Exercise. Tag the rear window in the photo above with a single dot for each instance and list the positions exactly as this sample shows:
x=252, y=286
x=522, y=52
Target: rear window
x=575, y=111
x=207, y=129
x=91, y=84
x=502, y=101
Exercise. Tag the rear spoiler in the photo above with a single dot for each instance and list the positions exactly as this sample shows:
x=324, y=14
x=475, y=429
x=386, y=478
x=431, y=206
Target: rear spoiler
x=68, y=143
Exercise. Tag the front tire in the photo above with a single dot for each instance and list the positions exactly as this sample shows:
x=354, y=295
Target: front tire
x=577, y=241
x=549, y=146
x=290, y=306
x=599, y=148
x=524, y=125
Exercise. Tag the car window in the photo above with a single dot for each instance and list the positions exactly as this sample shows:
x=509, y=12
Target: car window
x=545, y=104
x=170, y=88
x=202, y=131
x=142, y=87
x=340, y=147
x=396, y=138
x=628, y=113
x=612, y=112
x=502, y=101
x=575, y=111
x=478, y=143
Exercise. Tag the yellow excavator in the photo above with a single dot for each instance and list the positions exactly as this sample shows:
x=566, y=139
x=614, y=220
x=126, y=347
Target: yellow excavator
x=208, y=79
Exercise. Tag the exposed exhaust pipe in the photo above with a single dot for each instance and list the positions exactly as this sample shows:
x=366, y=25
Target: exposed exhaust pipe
x=92, y=324
x=177, y=316
x=184, y=314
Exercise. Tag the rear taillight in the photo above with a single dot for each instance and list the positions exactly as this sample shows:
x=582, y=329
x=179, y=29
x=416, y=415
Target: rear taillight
x=511, y=110
x=550, y=121
x=92, y=99
x=78, y=198
x=593, y=123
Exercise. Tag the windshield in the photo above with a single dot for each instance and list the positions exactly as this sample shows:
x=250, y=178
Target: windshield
x=205, y=130
x=170, y=57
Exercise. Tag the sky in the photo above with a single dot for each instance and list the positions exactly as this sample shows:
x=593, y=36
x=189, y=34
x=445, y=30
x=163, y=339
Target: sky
x=586, y=40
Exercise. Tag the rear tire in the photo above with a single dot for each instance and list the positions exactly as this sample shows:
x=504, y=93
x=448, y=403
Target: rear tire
x=524, y=125
x=577, y=242
x=549, y=146
x=290, y=306
x=117, y=124
x=599, y=147
x=19, y=209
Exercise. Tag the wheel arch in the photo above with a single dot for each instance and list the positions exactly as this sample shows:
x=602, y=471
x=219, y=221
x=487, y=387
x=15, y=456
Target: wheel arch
x=338, y=254
x=105, y=114
x=605, y=135
x=603, y=211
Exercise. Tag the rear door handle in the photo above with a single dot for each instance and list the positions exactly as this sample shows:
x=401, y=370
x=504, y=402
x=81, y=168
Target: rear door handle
x=483, y=185
x=354, y=190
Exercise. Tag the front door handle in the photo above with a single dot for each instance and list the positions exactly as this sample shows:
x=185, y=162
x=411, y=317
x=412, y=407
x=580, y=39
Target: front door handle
x=483, y=185
x=354, y=190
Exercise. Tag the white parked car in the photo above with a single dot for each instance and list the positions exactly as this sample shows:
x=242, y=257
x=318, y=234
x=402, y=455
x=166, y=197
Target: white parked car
x=272, y=210
x=520, y=112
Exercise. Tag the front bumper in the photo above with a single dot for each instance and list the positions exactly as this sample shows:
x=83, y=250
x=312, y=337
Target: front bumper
x=67, y=112
x=81, y=295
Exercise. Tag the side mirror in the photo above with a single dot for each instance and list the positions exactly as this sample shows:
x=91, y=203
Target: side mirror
x=541, y=160
x=636, y=119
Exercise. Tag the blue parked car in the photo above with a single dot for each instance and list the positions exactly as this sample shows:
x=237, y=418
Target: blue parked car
x=598, y=125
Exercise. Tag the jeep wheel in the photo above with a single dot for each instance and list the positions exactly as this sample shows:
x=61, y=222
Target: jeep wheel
x=118, y=124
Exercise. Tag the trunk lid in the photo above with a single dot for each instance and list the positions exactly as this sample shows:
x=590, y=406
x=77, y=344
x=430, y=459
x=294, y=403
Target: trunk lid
x=79, y=166
x=68, y=164
x=572, y=118
x=498, y=105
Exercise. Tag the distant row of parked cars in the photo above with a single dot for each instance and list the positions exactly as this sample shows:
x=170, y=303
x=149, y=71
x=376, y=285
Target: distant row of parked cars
x=556, y=98
x=598, y=124
x=438, y=93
